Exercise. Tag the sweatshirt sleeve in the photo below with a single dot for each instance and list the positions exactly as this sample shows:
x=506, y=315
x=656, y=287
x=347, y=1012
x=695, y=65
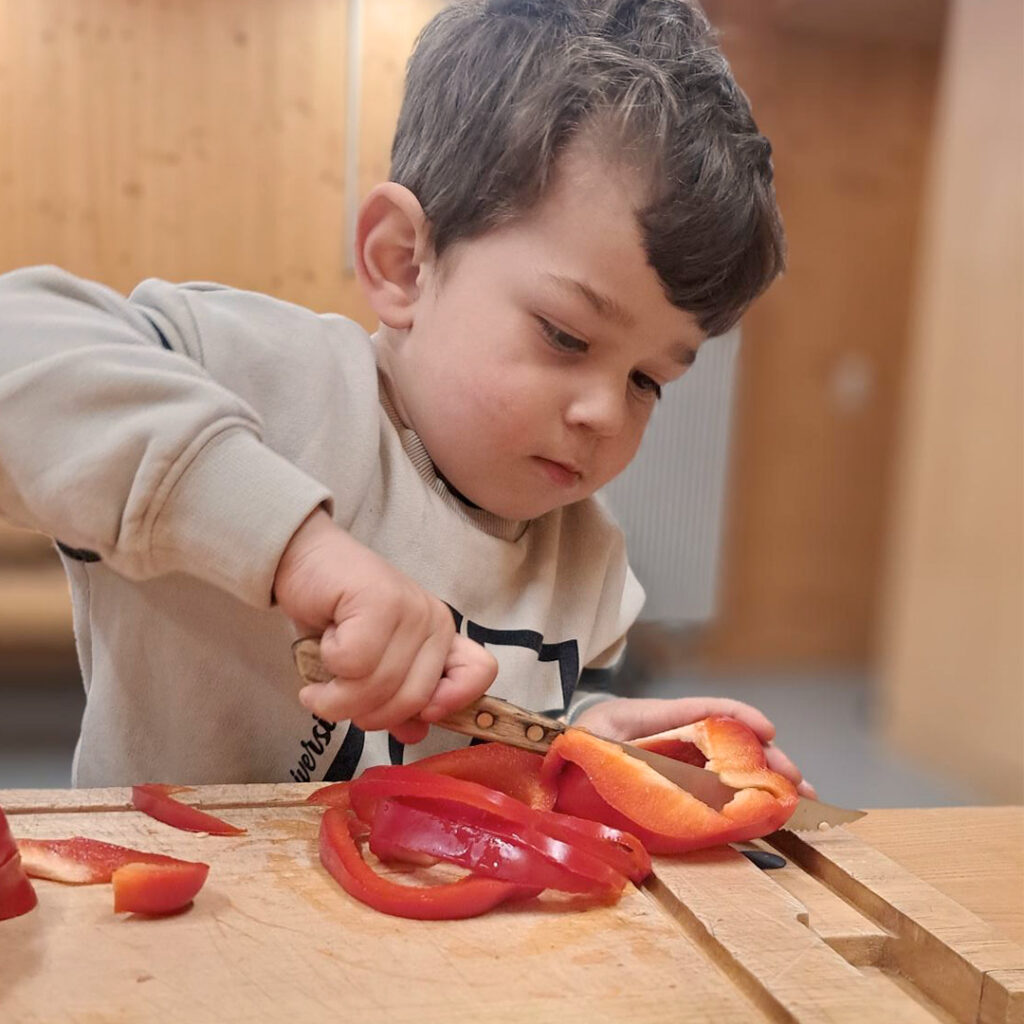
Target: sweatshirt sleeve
x=112, y=440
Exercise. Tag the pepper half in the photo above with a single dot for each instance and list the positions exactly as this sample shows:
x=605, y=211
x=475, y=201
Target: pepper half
x=597, y=779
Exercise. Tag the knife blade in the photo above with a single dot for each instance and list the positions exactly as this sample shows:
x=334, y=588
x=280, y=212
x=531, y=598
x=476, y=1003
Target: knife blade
x=494, y=719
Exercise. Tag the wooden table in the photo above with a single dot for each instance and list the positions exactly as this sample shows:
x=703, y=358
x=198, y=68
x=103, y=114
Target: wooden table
x=850, y=930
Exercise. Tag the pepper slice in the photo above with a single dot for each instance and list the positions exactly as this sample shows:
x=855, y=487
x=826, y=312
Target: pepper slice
x=467, y=897
x=514, y=772
x=610, y=786
x=81, y=861
x=487, y=846
x=154, y=799
x=17, y=896
x=618, y=849
x=149, y=888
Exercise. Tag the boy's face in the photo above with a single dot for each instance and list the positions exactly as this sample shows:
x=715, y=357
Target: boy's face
x=537, y=350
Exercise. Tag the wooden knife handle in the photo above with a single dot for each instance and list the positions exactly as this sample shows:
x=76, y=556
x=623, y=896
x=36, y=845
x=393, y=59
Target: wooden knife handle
x=487, y=718
x=491, y=718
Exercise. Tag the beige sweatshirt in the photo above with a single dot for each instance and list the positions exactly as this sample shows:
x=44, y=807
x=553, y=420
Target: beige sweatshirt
x=173, y=442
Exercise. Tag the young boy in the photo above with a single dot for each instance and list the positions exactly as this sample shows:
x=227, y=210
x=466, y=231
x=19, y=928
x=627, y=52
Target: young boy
x=579, y=197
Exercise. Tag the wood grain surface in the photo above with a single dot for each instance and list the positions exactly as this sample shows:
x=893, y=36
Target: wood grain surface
x=843, y=933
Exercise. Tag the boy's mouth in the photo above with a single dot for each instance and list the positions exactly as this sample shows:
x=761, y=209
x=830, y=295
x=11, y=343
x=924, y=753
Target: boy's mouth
x=562, y=473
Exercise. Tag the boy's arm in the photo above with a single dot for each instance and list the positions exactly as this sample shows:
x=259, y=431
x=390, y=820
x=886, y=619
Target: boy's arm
x=112, y=443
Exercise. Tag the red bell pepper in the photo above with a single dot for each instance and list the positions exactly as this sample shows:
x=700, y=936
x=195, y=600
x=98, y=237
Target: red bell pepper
x=155, y=799
x=81, y=861
x=153, y=888
x=514, y=772
x=489, y=847
x=469, y=800
x=17, y=896
x=467, y=897
x=610, y=786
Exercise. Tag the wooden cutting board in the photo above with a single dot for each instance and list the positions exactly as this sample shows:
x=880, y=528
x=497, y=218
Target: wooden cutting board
x=841, y=934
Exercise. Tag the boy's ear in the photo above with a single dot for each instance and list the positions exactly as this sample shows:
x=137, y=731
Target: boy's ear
x=392, y=239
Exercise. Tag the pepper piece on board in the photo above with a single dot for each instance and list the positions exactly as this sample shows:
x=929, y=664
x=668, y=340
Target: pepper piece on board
x=489, y=846
x=514, y=772
x=154, y=799
x=148, y=888
x=17, y=896
x=603, y=782
x=467, y=897
x=465, y=800
x=82, y=861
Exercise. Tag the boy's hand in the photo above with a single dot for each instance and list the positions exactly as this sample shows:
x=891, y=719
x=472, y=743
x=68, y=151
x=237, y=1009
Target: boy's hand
x=392, y=647
x=631, y=718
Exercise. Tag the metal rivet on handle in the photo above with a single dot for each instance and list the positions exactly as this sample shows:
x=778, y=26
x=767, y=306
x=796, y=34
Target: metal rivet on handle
x=484, y=719
x=535, y=733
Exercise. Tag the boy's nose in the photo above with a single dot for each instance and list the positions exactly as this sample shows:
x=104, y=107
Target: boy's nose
x=601, y=409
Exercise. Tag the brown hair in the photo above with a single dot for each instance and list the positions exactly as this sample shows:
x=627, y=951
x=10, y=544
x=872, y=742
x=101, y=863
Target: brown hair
x=496, y=89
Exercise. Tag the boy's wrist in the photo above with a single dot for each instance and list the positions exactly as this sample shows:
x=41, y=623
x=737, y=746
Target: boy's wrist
x=316, y=529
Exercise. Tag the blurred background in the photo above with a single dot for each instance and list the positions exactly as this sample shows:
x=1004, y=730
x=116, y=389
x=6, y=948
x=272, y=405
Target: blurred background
x=827, y=515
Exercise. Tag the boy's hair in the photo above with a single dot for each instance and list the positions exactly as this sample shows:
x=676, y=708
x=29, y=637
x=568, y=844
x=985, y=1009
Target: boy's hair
x=496, y=89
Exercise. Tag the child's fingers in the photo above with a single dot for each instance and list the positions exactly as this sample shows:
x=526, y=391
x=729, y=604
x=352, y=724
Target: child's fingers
x=415, y=689
x=750, y=716
x=779, y=762
x=468, y=673
x=410, y=732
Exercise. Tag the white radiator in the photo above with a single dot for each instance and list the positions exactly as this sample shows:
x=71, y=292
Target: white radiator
x=671, y=499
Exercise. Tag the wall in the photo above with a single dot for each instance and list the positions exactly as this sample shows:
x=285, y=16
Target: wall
x=845, y=92
x=188, y=140
x=953, y=664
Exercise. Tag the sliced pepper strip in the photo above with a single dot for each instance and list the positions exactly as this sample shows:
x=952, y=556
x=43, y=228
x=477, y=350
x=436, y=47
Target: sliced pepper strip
x=154, y=799
x=620, y=850
x=150, y=888
x=467, y=897
x=17, y=896
x=514, y=772
x=81, y=861
x=621, y=789
x=488, y=846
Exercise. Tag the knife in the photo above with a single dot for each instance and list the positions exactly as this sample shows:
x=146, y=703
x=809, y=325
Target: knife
x=491, y=718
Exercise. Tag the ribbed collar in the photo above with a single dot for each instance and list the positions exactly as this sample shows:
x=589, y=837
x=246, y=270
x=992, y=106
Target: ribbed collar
x=495, y=526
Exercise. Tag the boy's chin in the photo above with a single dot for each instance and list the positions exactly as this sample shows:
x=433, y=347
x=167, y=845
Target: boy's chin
x=518, y=509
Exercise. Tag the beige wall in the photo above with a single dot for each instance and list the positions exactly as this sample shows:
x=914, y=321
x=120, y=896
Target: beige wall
x=953, y=666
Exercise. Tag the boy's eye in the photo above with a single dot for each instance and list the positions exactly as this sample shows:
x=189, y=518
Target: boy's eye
x=560, y=339
x=646, y=384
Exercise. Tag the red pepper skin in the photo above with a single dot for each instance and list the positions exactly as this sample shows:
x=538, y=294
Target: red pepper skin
x=514, y=772
x=468, y=897
x=154, y=799
x=17, y=896
x=613, y=787
x=488, y=846
x=81, y=861
x=619, y=850
x=157, y=888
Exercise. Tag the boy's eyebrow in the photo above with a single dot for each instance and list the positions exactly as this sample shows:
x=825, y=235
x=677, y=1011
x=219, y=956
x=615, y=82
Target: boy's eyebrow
x=605, y=305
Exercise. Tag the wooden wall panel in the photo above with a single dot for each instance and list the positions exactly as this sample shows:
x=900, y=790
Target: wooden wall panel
x=848, y=110
x=953, y=665
x=179, y=139
x=184, y=139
